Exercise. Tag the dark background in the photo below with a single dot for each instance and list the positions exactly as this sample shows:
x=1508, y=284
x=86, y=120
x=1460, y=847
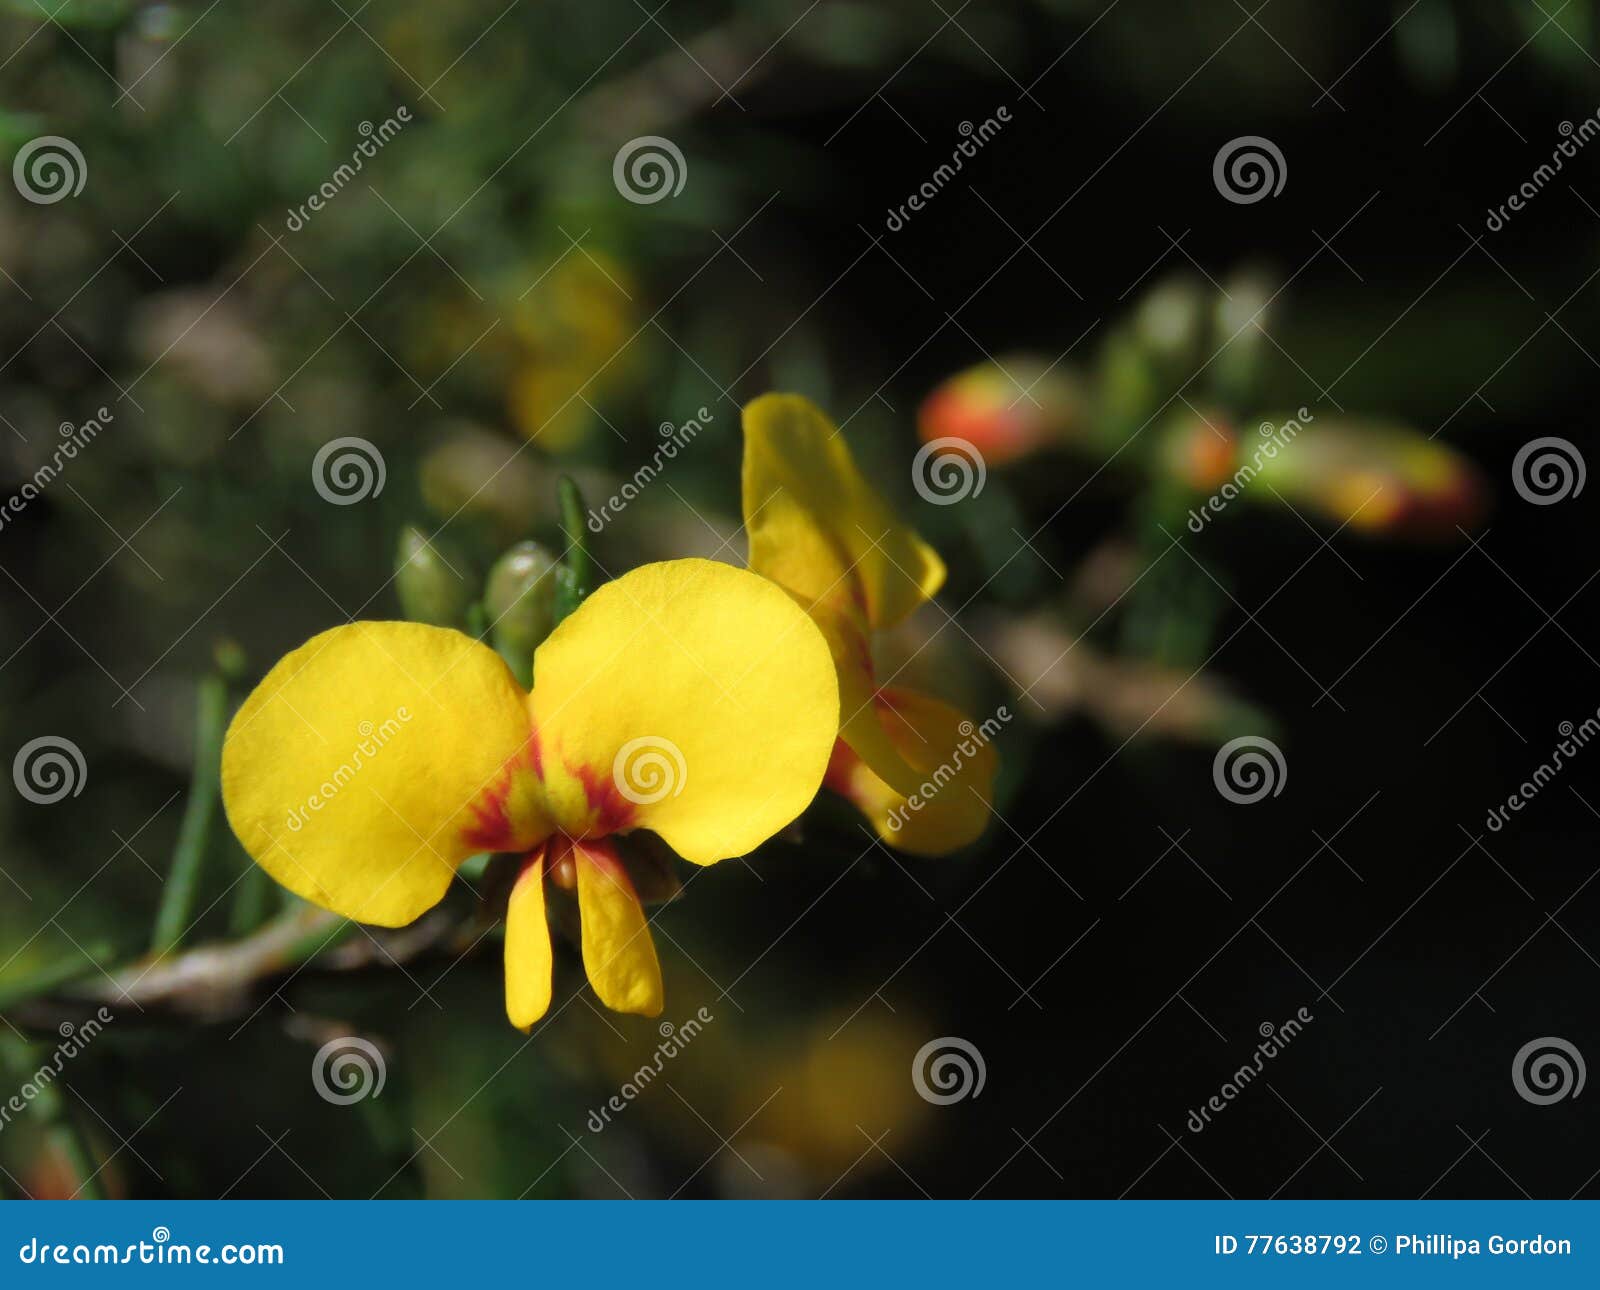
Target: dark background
x=1412, y=685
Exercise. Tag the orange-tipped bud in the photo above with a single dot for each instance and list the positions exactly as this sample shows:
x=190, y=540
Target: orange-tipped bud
x=1201, y=449
x=1378, y=479
x=1006, y=409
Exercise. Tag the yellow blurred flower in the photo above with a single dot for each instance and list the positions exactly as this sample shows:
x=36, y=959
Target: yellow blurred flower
x=918, y=769
x=572, y=332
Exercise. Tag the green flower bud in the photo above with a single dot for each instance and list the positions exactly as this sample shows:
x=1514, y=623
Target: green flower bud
x=432, y=589
x=1240, y=318
x=520, y=601
x=1169, y=320
x=231, y=661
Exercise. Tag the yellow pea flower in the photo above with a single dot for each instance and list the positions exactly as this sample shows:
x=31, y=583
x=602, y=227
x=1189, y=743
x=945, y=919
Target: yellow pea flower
x=687, y=697
x=913, y=765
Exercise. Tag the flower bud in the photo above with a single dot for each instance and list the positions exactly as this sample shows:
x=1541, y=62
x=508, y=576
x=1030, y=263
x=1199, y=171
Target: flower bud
x=1169, y=321
x=519, y=598
x=232, y=663
x=478, y=475
x=1377, y=479
x=430, y=589
x=1240, y=318
x=1005, y=409
x=1199, y=448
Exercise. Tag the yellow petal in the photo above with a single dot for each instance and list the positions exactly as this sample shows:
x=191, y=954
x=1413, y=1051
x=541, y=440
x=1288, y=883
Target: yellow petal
x=954, y=763
x=860, y=725
x=618, y=954
x=687, y=697
x=528, y=958
x=351, y=772
x=817, y=527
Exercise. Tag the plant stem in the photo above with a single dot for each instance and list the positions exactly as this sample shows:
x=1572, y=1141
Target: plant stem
x=194, y=833
x=210, y=980
x=252, y=901
x=575, y=577
x=48, y=978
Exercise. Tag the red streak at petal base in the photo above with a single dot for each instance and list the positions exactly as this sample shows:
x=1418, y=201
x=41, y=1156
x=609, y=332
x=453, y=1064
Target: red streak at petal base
x=564, y=854
x=612, y=812
x=842, y=763
x=602, y=854
x=535, y=858
x=492, y=828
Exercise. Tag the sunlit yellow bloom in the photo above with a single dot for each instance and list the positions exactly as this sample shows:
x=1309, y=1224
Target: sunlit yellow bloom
x=913, y=765
x=688, y=698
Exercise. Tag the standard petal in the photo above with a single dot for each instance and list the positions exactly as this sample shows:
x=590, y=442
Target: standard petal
x=529, y=961
x=817, y=527
x=352, y=771
x=618, y=954
x=690, y=698
x=954, y=761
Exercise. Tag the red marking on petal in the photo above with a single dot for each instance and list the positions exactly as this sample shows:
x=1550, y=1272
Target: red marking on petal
x=610, y=811
x=492, y=828
x=858, y=593
x=856, y=641
x=842, y=763
x=534, y=862
x=534, y=752
x=602, y=854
